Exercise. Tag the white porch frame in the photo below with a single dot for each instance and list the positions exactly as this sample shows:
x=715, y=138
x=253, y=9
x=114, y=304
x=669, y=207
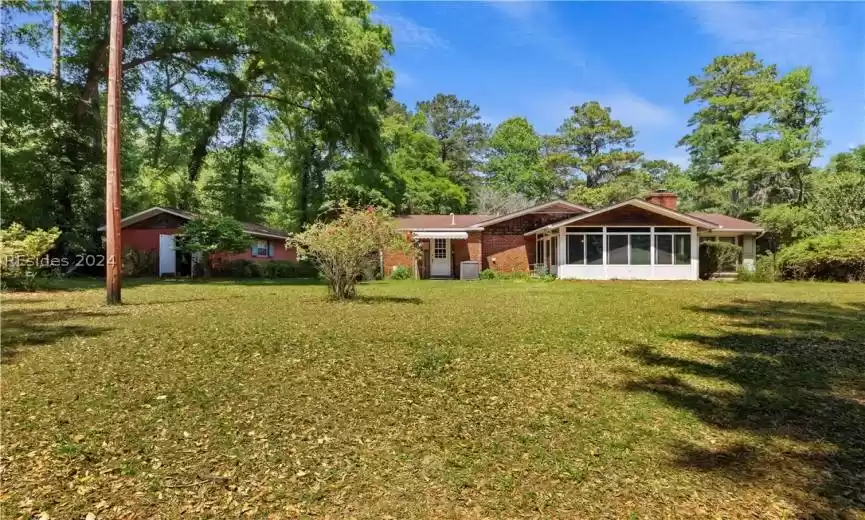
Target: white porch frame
x=607, y=271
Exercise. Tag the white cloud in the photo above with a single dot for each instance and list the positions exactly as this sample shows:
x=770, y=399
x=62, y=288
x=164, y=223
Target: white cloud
x=787, y=34
x=403, y=79
x=407, y=32
x=627, y=106
x=519, y=9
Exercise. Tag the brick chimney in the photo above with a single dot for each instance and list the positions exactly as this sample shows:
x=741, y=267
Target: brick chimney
x=667, y=199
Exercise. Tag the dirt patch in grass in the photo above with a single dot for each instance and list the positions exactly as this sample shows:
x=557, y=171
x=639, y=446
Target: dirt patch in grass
x=487, y=399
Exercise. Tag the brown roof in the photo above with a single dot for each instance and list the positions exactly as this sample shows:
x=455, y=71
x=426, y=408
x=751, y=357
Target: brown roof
x=252, y=229
x=411, y=222
x=724, y=222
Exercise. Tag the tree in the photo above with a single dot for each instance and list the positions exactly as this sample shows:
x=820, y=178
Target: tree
x=345, y=247
x=514, y=162
x=210, y=234
x=21, y=254
x=838, y=192
x=596, y=146
x=754, y=134
x=491, y=201
x=457, y=126
x=195, y=72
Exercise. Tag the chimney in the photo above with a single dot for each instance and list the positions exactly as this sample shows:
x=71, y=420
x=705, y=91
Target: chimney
x=667, y=199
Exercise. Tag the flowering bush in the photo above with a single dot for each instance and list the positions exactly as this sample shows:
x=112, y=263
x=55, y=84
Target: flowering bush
x=343, y=249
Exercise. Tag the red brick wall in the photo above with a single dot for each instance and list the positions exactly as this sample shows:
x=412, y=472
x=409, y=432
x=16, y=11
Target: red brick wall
x=465, y=250
x=396, y=258
x=508, y=253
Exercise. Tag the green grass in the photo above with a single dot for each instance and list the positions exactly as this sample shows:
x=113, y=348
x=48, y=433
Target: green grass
x=436, y=399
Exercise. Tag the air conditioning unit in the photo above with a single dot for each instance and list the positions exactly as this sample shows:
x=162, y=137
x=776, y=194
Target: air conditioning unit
x=470, y=270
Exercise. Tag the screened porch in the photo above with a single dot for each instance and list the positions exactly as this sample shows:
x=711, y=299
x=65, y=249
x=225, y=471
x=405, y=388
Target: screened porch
x=619, y=252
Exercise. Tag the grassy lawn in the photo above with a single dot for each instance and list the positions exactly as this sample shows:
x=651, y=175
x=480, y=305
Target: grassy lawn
x=436, y=399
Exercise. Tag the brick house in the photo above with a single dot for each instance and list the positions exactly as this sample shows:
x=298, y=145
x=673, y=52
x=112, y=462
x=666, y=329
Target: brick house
x=635, y=239
x=152, y=232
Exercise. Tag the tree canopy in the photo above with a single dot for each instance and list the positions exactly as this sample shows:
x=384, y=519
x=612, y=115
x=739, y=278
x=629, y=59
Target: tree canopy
x=279, y=112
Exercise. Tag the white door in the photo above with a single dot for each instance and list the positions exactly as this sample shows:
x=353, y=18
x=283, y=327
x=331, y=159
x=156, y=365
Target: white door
x=440, y=259
x=167, y=256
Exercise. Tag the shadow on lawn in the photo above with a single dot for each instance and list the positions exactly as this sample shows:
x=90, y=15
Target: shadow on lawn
x=23, y=328
x=801, y=371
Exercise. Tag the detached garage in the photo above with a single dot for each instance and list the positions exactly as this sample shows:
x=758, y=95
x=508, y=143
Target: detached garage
x=152, y=232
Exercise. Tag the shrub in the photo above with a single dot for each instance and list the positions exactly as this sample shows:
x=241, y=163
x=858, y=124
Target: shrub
x=139, y=263
x=401, y=272
x=838, y=256
x=488, y=274
x=208, y=234
x=21, y=259
x=764, y=270
x=492, y=274
x=272, y=269
x=714, y=256
x=344, y=248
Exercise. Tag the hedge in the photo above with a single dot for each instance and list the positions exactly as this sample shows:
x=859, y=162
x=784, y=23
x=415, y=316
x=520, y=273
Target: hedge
x=714, y=255
x=268, y=269
x=838, y=256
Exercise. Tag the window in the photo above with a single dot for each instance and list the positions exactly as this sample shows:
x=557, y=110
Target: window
x=617, y=249
x=440, y=248
x=576, y=245
x=672, y=230
x=664, y=249
x=262, y=248
x=595, y=249
x=554, y=250
x=682, y=249
x=584, y=230
x=641, y=249
x=673, y=249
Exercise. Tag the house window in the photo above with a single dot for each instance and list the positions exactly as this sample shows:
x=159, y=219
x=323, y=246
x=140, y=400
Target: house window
x=595, y=249
x=440, y=248
x=584, y=248
x=617, y=249
x=629, y=246
x=672, y=249
x=576, y=249
x=554, y=250
x=262, y=248
x=641, y=249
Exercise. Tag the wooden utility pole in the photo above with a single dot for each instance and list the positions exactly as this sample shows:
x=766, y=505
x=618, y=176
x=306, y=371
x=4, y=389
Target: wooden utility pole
x=113, y=251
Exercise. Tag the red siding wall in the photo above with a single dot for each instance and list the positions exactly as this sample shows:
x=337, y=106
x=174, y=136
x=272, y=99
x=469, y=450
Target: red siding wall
x=148, y=240
x=143, y=239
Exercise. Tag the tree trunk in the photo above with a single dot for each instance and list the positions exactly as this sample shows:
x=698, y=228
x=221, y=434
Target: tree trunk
x=205, y=265
x=55, y=45
x=238, y=196
x=214, y=118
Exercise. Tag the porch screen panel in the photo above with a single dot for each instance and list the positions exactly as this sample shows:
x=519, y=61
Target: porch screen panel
x=682, y=249
x=576, y=245
x=554, y=250
x=595, y=249
x=617, y=249
x=641, y=249
x=664, y=249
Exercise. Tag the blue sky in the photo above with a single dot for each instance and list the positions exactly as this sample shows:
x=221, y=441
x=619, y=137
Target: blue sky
x=536, y=59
